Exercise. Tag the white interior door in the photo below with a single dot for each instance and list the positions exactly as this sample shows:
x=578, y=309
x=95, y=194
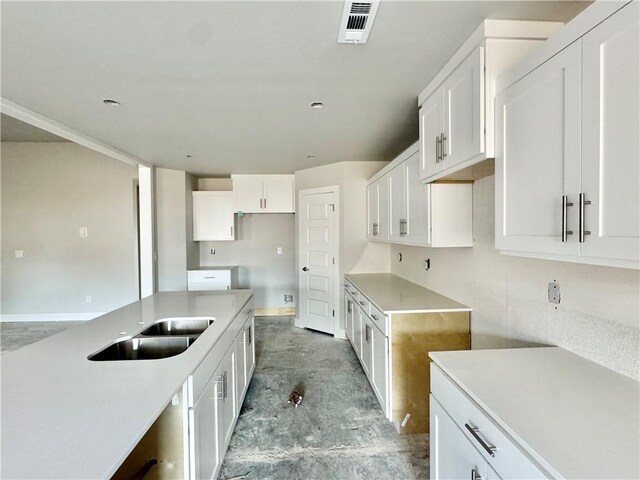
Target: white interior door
x=610, y=140
x=317, y=247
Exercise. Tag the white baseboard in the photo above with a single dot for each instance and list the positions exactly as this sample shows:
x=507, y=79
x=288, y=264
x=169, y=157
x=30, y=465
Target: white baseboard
x=48, y=317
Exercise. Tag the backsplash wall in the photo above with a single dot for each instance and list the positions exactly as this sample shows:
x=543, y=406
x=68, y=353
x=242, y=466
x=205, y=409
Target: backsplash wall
x=598, y=317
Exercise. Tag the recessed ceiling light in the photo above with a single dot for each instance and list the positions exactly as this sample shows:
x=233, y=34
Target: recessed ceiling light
x=317, y=105
x=111, y=103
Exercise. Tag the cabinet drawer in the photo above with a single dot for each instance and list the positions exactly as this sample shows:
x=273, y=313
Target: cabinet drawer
x=209, y=276
x=379, y=319
x=364, y=303
x=495, y=445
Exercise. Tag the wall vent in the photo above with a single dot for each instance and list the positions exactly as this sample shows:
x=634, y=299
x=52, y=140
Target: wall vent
x=357, y=20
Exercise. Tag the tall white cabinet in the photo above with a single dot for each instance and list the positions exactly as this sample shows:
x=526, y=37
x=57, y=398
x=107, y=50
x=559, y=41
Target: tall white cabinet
x=567, y=150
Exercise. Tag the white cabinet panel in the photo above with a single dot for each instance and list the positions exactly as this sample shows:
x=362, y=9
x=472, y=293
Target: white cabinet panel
x=380, y=367
x=417, y=204
x=348, y=307
x=213, y=217
x=538, y=156
x=383, y=209
x=397, y=203
x=452, y=455
x=451, y=214
x=464, y=111
x=206, y=455
x=373, y=211
x=610, y=138
x=366, y=343
x=278, y=196
x=431, y=121
x=248, y=195
x=226, y=373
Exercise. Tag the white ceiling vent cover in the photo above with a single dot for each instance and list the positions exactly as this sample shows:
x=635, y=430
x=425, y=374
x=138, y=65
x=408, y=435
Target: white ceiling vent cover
x=357, y=19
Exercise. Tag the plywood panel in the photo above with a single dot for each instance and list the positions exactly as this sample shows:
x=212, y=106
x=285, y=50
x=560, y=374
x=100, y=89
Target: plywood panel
x=413, y=336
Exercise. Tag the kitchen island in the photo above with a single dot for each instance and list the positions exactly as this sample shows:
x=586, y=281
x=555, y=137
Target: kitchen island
x=65, y=416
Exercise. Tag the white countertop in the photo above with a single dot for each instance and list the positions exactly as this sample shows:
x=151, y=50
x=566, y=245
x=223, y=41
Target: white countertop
x=576, y=418
x=64, y=416
x=393, y=294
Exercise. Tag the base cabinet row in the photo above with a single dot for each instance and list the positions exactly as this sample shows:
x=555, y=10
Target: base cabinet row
x=213, y=416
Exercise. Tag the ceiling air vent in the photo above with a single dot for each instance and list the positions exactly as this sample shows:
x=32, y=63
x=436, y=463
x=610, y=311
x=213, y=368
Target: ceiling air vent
x=357, y=19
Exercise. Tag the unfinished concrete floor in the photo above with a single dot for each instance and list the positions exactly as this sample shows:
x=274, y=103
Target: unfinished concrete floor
x=338, y=432
x=14, y=335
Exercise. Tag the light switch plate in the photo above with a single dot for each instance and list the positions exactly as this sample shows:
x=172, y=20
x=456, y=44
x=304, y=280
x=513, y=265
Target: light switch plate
x=279, y=250
x=84, y=232
x=19, y=253
x=554, y=292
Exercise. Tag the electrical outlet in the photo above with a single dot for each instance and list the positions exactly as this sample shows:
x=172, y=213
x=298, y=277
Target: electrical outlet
x=19, y=253
x=427, y=264
x=553, y=291
x=84, y=232
x=279, y=250
x=88, y=299
x=213, y=251
x=288, y=298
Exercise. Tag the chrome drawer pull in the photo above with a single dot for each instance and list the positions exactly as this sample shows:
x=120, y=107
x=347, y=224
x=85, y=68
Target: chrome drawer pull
x=375, y=317
x=565, y=203
x=581, y=230
x=475, y=475
x=491, y=450
x=362, y=303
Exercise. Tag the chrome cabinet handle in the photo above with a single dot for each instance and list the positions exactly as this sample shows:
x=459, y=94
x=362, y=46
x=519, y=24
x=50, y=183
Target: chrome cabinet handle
x=220, y=392
x=438, y=144
x=224, y=386
x=581, y=231
x=491, y=450
x=232, y=231
x=362, y=303
x=265, y=203
x=475, y=475
x=349, y=306
x=366, y=333
x=248, y=332
x=375, y=317
x=260, y=203
x=565, y=204
x=443, y=147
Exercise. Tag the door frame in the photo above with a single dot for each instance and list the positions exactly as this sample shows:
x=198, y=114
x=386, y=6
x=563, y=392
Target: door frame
x=338, y=326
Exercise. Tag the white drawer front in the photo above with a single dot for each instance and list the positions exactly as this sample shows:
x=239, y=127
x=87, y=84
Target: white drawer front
x=209, y=276
x=201, y=286
x=380, y=319
x=506, y=458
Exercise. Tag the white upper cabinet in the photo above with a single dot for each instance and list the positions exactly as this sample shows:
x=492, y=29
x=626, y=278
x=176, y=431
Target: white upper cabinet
x=567, y=149
x=539, y=152
x=456, y=108
x=213, y=218
x=412, y=213
x=264, y=193
x=610, y=138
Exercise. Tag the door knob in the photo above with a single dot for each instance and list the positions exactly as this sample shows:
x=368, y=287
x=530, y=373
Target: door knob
x=305, y=269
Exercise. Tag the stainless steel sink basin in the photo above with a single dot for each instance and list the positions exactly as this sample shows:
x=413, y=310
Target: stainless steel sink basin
x=144, y=348
x=179, y=326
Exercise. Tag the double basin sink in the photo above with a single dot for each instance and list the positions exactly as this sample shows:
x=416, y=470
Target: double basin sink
x=166, y=338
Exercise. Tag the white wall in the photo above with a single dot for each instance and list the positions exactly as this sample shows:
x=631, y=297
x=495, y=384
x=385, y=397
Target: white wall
x=597, y=318
x=174, y=228
x=49, y=190
x=258, y=235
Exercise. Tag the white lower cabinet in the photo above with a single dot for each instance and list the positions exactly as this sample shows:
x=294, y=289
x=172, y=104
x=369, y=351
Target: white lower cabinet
x=213, y=416
x=380, y=366
x=348, y=307
x=452, y=456
x=464, y=439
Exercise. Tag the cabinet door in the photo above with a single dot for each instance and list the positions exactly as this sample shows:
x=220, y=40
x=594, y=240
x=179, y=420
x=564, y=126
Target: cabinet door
x=241, y=345
x=464, y=111
x=348, y=315
x=380, y=367
x=248, y=195
x=278, y=196
x=213, y=217
x=357, y=330
x=366, y=343
x=250, y=359
x=373, y=221
x=538, y=157
x=417, y=203
x=383, y=209
x=205, y=442
x=397, y=203
x=228, y=403
x=431, y=126
x=610, y=139
x=452, y=455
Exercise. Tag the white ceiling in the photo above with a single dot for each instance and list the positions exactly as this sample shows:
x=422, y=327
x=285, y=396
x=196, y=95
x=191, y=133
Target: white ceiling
x=13, y=130
x=230, y=82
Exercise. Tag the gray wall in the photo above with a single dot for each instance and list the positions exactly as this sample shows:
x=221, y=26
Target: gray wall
x=49, y=190
x=598, y=316
x=258, y=236
x=174, y=228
